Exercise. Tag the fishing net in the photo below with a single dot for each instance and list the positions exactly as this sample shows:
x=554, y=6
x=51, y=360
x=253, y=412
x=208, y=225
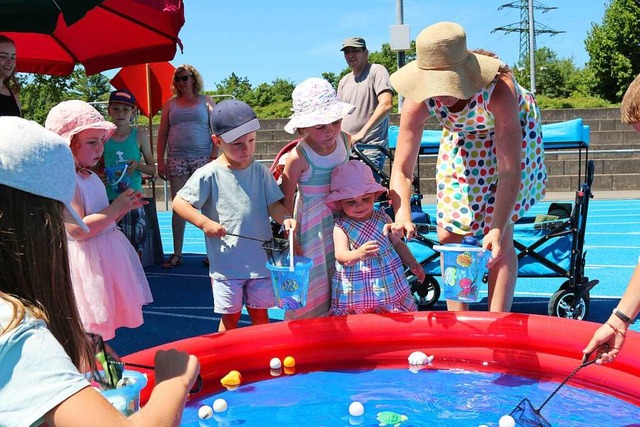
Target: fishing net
x=277, y=251
x=526, y=415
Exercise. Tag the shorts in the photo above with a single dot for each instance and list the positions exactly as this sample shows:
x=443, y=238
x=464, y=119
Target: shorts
x=185, y=166
x=230, y=294
x=133, y=226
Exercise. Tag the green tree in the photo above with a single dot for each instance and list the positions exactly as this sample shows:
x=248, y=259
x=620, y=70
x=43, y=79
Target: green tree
x=238, y=87
x=40, y=92
x=555, y=78
x=332, y=78
x=94, y=88
x=389, y=58
x=614, y=50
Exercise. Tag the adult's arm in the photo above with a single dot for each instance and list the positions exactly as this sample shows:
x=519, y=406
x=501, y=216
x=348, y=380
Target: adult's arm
x=163, y=134
x=503, y=104
x=613, y=331
x=412, y=120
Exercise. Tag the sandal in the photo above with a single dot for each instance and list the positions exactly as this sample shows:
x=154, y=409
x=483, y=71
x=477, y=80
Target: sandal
x=174, y=261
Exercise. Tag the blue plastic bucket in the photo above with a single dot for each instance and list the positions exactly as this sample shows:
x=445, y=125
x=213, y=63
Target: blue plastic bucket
x=118, y=177
x=127, y=399
x=463, y=271
x=290, y=287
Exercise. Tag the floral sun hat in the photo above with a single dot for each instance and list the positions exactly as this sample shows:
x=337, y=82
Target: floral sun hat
x=315, y=102
x=349, y=180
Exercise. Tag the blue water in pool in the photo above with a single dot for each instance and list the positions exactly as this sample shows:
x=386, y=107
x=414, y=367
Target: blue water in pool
x=427, y=398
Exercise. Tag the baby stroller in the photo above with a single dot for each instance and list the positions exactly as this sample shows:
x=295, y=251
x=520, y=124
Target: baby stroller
x=550, y=245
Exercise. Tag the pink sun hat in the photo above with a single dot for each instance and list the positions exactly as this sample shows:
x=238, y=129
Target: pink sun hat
x=315, y=102
x=349, y=180
x=69, y=118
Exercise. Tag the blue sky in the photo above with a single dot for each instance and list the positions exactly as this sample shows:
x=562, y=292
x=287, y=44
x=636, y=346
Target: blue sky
x=265, y=40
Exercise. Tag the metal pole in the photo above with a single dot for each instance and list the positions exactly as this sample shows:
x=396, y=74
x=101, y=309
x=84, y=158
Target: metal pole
x=400, y=55
x=532, y=48
x=150, y=117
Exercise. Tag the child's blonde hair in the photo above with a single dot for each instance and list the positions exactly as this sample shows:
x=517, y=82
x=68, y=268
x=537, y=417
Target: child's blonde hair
x=630, y=107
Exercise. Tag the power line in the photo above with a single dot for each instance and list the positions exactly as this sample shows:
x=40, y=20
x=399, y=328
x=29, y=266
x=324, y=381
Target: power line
x=522, y=27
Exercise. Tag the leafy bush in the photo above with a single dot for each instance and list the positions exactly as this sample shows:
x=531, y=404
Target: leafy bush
x=546, y=103
x=276, y=110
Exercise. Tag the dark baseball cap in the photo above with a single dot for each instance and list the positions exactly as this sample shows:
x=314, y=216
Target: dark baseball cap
x=123, y=96
x=232, y=119
x=354, y=42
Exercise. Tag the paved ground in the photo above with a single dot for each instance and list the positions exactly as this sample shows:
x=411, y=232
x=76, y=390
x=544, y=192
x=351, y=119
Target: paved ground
x=183, y=301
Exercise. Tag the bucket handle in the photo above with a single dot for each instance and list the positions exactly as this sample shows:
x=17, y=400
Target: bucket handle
x=291, y=260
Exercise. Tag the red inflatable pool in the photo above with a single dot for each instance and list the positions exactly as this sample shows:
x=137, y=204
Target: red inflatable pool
x=539, y=347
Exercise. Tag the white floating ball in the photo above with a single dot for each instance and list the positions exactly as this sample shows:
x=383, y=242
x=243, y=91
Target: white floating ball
x=356, y=409
x=275, y=363
x=219, y=405
x=506, y=421
x=205, y=412
x=419, y=358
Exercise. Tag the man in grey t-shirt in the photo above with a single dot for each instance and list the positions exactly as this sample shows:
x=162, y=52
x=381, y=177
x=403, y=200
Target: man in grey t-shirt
x=368, y=88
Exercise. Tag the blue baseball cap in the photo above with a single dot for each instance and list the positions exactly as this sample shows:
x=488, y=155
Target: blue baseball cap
x=123, y=97
x=232, y=119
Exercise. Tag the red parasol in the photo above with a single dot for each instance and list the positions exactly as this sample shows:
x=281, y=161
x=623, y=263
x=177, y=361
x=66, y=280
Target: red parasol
x=149, y=83
x=115, y=33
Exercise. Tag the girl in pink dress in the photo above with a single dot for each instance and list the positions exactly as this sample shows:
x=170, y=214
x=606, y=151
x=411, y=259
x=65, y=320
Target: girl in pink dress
x=109, y=283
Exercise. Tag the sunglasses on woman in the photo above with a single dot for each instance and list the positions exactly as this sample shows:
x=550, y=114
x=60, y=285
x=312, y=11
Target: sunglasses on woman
x=183, y=78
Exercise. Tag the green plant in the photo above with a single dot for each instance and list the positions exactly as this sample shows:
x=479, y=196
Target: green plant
x=546, y=103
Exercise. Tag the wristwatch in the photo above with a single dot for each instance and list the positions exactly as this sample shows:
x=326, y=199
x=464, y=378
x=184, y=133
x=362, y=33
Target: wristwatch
x=620, y=315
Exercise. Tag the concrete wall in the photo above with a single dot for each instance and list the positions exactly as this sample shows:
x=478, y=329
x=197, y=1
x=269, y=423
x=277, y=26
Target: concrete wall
x=615, y=149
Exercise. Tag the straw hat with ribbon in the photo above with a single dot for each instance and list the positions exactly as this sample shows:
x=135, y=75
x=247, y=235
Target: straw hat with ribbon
x=444, y=66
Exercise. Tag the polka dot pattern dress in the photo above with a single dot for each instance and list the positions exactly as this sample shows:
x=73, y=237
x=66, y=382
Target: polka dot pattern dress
x=467, y=167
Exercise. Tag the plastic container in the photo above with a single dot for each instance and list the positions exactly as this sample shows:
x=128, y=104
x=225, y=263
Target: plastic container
x=127, y=399
x=290, y=287
x=118, y=177
x=464, y=270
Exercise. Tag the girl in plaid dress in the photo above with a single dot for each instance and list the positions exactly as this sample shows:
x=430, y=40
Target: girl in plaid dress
x=369, y=275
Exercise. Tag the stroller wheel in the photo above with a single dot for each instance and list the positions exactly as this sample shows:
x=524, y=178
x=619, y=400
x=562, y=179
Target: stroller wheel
x=563, y=303
x=425, y=293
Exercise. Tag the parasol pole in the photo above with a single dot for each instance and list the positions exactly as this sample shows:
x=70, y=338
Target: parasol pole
x=150, y=117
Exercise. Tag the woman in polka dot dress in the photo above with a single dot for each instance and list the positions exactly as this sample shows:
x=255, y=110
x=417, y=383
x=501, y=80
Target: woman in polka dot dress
x=490, y=168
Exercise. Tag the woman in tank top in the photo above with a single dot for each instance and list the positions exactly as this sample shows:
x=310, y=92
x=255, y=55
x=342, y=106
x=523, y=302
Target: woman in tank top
x=185, y=138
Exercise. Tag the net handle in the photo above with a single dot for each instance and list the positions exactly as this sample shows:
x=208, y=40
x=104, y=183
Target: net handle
x=248, y=237
x=575, y=371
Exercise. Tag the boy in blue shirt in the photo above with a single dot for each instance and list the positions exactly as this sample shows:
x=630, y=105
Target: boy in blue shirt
x=235, y=194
